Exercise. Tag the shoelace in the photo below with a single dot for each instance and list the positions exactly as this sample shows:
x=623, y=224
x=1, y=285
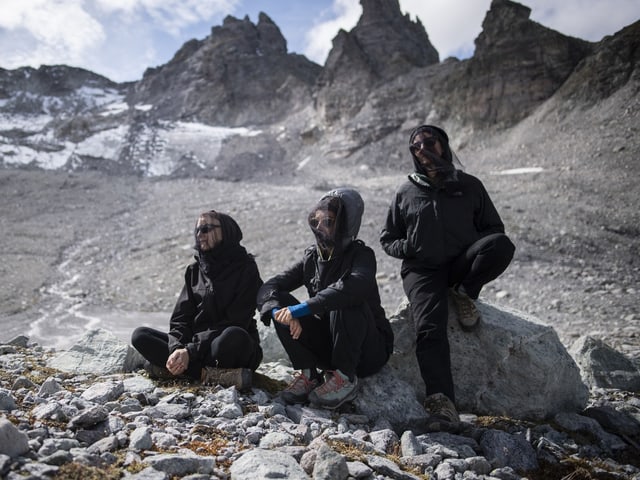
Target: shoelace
x=335, y=383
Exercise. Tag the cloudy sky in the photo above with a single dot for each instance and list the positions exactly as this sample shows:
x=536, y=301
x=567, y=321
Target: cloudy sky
x=121, y=38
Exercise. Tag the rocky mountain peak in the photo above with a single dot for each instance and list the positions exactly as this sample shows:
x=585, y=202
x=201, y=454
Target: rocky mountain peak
x=230, y=77
x=237, y=37
x=517, y=64
x=384, y=44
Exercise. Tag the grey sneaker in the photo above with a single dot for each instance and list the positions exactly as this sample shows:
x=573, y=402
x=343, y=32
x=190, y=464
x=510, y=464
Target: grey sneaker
x=227, y=377
x=336, y=390
x=440, y=407
x=157, y=372
x=466, y=310
x=298, y=390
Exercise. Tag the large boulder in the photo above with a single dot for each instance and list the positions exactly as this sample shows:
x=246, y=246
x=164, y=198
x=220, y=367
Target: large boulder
x=99, y=352
x=511, y=365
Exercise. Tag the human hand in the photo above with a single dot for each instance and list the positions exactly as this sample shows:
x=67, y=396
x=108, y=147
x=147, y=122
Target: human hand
x=295, y=327
x=283, y=316
x=178, y=361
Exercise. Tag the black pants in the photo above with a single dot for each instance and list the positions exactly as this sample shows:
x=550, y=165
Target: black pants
x=233, y=348
x=426, y=289
x=346, y=339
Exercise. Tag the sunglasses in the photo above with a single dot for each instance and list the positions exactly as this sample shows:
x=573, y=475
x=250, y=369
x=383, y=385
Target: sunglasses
x=428, y=142
x=326, y=222
x=206, y=228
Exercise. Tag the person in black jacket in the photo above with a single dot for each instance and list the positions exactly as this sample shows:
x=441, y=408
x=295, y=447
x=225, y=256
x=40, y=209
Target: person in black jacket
x=212, y=332
x=444, y=227
x=342, y=328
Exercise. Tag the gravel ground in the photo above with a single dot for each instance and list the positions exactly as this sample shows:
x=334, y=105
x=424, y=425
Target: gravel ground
x=83, y=249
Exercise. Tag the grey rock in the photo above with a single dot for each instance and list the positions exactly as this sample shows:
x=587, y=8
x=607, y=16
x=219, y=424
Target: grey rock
x=502, y=449
x=103, y=392
x=98, y=352
x=579, y=423
x=13, y=442
x=181, y=464
x=260, y=463
x=602, y=366
x=276, y=439
x=329, y=465
x=358, y=469
x=140, y=439
x=89, y=417
x=385, y=440
x=6, y=400
x=49, y=387
x=409, y=444
x=386, y=467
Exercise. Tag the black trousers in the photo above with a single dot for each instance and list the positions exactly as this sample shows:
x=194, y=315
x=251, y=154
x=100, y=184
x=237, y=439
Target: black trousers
x=346, y=339
x=426, y=289
x=233, y=348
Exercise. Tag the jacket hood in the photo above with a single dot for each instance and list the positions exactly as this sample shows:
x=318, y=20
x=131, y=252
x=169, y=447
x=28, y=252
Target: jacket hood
x=444, y=164
x=335, y=220
x=353, y=208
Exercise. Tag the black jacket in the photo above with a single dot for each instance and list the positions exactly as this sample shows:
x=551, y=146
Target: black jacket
x=210, y=303
x=429, y=226
x=345, y=281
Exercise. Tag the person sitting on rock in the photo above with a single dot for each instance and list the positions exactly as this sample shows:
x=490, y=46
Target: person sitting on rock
x=342, y=328
x=444, y=227
x=212, y=335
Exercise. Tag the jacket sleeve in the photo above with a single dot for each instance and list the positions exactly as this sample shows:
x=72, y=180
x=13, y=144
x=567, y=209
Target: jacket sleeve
x=269, y=292
x=393, y=236
x=183, y=316
x=486, y=216
x=353, y=288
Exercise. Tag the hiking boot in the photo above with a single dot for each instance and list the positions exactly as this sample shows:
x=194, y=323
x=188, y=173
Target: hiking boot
x=227, y=377
x=466, y=310
x=298, y=390
x=157, y=372
x=336, y=390
x=440, y=407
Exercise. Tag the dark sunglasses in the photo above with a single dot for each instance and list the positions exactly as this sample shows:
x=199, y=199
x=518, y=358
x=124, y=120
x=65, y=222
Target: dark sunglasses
x=206, y=228
x=428, y=142
x=326, y=222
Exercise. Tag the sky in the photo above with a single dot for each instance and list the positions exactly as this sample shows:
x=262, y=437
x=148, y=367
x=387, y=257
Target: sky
x=121, y=38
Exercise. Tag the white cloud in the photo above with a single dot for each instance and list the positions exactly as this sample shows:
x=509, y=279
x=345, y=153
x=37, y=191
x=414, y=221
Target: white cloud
x=38, y=31
x=452, y=25
x=170, y=15
x=344, y=15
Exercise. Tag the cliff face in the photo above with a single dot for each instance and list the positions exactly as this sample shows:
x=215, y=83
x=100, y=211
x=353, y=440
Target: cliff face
x=383, y=45
x=241, y=74
x=517, y=65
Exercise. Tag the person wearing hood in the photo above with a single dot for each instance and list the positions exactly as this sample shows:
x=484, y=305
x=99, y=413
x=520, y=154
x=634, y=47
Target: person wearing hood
x=445, y=228
x=341, y=331
x=213, y=336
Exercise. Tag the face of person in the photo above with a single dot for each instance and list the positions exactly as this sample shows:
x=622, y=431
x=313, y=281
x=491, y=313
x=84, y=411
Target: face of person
x=324, y=222
x=423, y=144
x=208, y=233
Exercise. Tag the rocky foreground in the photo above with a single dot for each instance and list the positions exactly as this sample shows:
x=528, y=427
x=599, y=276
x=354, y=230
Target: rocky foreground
x=76, y=425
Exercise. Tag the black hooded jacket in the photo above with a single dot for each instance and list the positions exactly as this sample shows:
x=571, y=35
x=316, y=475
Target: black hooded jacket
x=346, y=280
x=219, y=291
x=430, y=224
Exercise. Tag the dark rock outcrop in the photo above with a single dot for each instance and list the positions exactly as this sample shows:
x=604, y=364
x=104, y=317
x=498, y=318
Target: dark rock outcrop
x=383, y=45
x=241, y=74
x=517, y=65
